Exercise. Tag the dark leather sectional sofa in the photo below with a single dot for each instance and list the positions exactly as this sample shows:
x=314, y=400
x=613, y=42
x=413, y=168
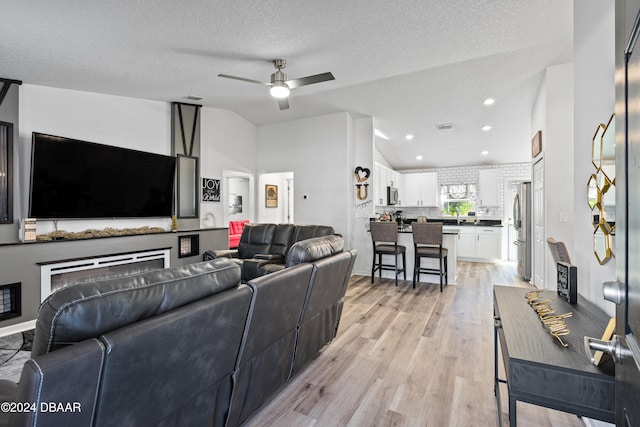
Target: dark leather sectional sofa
x=264, y=248
x=185, y=346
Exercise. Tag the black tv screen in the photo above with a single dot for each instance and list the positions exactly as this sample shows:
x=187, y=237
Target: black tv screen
x=80, y=179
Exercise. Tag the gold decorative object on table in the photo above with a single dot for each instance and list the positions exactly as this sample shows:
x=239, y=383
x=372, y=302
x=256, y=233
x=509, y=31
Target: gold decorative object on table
x=555, y=323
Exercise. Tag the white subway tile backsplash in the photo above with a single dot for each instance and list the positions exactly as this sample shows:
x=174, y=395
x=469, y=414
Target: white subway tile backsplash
x=469, y=175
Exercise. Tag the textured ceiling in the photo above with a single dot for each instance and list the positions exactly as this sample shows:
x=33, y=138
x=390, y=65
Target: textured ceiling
x=410, y=64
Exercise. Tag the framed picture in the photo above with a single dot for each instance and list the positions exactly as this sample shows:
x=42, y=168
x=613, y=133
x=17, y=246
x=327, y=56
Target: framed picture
x=235, y=204
x=536, y=144
x=210, y=190
x=567, y=282
x=271, y=196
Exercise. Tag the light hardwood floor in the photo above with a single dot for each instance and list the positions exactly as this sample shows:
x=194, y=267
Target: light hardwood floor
x=408, y=357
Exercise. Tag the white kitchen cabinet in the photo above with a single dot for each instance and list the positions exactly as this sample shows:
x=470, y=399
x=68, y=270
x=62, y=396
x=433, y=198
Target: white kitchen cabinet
x=489, y=242
x=421, y=189
x=384, y=177
x=476, y=243
x=488, y=187
x=466, y=242
x=378, y=182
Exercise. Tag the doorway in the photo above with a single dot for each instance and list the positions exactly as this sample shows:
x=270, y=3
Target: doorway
x=237, y=197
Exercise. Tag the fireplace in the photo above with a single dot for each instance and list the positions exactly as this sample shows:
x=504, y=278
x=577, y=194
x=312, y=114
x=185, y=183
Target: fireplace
x=58, y=274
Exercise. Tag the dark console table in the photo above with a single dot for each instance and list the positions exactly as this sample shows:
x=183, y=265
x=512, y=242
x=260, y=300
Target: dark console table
x=542, y=372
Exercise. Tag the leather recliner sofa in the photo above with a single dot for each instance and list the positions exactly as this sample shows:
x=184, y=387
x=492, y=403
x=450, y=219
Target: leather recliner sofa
x=181, y=346
x=262, y=244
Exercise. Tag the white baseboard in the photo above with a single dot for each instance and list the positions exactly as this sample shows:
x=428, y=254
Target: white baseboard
x=18, y=327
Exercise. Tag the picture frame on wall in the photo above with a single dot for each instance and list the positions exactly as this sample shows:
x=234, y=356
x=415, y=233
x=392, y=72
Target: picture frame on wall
x=536, y=144
x=271, y=195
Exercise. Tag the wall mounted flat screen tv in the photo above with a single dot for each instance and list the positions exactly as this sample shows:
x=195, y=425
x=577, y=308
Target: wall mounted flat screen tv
x=78, y=179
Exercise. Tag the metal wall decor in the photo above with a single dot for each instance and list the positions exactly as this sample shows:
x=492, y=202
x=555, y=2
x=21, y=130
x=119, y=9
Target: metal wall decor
x=185, y=134
x=362, y=187
x=601, y=195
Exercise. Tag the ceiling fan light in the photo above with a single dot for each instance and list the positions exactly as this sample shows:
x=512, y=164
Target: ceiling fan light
x=279, y=90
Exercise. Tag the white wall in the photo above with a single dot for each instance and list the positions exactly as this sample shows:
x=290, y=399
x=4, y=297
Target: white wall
x=227, y=147
x=276, y=215
x=316, y=151
x=553, y=115
x=594, y=64
x=227, y=140
x=113, y=120
x=362, y=210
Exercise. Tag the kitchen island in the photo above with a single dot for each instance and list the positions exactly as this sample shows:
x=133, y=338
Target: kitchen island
x=405, y=238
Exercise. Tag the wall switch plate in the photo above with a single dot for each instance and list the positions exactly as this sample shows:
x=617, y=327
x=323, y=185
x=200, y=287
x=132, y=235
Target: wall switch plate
x=564, y=217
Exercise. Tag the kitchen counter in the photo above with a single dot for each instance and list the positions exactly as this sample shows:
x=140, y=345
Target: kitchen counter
x=407, y=229
x=479, y=222
x=449, y=241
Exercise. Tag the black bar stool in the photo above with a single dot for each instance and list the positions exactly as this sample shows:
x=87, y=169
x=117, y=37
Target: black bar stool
x=384, y=236
x=427, y=242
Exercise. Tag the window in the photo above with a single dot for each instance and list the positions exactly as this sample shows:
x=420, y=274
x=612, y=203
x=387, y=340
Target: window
x=6, y=173
x=458, y=199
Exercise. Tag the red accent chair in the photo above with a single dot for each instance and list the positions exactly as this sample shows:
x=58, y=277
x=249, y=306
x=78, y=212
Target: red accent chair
x=235, y=231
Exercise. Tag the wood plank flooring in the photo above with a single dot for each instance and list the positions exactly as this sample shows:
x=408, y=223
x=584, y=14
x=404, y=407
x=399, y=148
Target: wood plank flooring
x=408, y=357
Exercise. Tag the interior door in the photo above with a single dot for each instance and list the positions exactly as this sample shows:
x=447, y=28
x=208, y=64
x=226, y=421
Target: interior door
x=538, y=225
x=628, y=227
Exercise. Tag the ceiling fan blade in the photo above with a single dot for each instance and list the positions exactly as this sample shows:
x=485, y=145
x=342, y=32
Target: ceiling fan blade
x=309, y=80
x=227, y=76
x=283, y=103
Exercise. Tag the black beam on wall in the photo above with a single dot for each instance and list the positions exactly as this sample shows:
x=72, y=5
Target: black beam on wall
x=6, y=84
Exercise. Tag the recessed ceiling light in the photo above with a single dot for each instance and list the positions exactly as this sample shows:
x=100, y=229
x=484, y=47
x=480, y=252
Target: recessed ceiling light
x=486, y=128
x=418, y=157
x=489, y=101
x=484, y=152
x=409, y=137
x=379, y=134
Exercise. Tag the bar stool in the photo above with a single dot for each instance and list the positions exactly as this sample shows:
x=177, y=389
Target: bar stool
x=384, y=236
x=427, y=242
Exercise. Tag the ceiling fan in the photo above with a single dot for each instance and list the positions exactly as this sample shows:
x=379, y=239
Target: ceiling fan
x=280, y=85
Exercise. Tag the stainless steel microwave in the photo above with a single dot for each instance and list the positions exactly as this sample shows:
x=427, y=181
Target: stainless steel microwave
x=392, y=196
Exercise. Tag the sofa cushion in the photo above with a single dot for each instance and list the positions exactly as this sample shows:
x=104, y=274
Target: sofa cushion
x=282, y=239
x=86, y=310
x=313, y=249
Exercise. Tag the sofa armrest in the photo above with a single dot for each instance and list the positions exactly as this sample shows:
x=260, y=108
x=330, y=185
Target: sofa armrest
x=270, y=257
x=219, y=253
x=254, y=267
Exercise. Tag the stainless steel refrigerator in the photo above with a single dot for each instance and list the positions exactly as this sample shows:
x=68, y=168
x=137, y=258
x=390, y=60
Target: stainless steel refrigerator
x=522, y=225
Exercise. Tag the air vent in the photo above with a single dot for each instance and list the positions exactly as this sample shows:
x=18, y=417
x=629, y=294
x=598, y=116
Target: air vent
x=444, y=126
x=193, y=98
